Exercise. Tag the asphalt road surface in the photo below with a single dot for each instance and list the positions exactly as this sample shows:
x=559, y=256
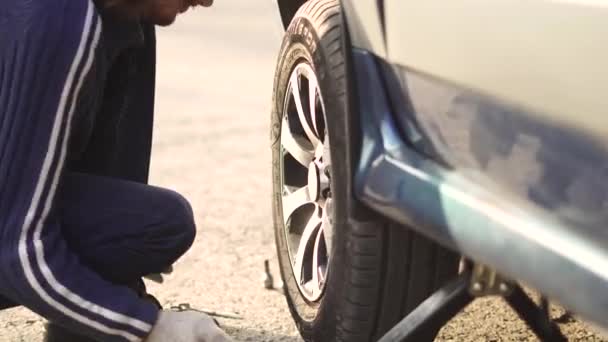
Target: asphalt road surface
x=212, y=144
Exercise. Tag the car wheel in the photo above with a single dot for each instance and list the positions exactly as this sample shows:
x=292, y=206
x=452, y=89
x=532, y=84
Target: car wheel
x=345, y=280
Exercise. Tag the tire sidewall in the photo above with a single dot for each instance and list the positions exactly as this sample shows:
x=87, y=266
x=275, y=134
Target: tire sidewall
x=316, y=321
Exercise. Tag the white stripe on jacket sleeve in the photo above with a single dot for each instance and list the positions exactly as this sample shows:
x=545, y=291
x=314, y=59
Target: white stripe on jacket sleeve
x=73, y=80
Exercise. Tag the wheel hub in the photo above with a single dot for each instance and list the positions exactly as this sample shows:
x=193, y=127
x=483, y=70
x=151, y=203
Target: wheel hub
x=306, y=175
x=318, y=182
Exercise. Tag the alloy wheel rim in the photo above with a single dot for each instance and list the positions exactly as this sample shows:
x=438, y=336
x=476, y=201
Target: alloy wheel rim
x=305, y=180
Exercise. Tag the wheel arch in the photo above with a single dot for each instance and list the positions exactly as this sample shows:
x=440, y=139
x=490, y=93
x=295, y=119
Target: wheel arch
x=288, y=9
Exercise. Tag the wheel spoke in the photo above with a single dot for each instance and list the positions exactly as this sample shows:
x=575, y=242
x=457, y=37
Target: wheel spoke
x=327, y=227
x=305, y=241
x=326, y=151
x=310, y=286
x=315, y=263
x=291, y=145
x=295, y=88
x=312, y=91
x=293, y=201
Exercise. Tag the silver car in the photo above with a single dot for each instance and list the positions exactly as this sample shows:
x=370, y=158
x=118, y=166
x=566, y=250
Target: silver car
x=427, y=153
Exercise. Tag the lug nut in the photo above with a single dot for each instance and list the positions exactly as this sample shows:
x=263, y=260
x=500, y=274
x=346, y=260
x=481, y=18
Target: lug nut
x=326, y=193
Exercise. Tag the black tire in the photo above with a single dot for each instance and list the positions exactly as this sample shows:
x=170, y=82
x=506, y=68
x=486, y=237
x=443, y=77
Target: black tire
x=378, y=272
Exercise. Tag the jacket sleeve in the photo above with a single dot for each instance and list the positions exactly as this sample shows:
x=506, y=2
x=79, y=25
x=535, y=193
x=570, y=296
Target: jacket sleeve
x=47, y=50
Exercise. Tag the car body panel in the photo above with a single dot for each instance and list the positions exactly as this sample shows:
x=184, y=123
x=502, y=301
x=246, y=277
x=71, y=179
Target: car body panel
x=567, y=262
x=545, y=55
x=365, y=25
x=481, y=87
x=508, y=148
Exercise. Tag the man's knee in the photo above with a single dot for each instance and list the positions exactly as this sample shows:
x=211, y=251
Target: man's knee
x=181, y=226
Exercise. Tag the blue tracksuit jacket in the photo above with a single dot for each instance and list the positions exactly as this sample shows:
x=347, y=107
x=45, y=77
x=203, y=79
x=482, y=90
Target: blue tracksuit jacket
x=76, y=92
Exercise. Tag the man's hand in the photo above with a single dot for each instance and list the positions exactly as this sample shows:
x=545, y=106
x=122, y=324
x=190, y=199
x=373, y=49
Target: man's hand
x=186, y=326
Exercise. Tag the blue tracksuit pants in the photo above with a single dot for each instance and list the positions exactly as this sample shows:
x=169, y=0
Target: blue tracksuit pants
x=123, y=230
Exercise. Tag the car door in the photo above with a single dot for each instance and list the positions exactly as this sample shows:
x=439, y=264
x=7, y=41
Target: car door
x=512, y=92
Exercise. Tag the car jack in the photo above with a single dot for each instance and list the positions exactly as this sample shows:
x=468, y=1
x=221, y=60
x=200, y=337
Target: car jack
x=435, y=312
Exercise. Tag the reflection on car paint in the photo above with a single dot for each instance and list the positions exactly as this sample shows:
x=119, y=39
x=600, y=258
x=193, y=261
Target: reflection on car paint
x=467, y=208
x=552, y=166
